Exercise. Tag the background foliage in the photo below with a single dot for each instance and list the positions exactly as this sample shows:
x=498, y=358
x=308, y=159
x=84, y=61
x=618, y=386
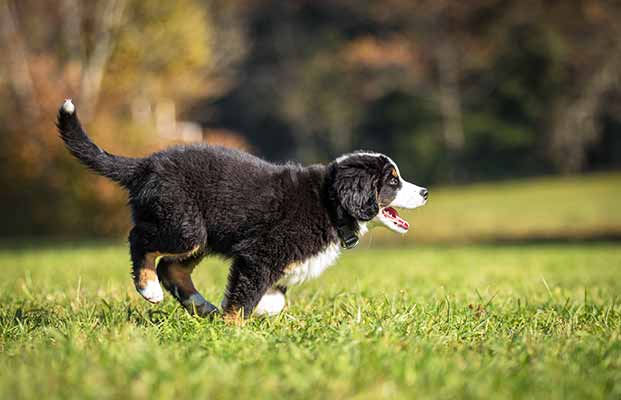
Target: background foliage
x=455, y=92
x=509, y=110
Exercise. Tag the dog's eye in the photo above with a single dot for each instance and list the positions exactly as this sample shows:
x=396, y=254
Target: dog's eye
x=393, y=182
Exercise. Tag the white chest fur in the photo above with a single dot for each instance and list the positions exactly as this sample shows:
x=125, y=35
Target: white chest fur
x=311, y=267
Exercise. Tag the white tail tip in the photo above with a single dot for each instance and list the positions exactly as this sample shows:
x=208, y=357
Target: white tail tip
x=68, y=106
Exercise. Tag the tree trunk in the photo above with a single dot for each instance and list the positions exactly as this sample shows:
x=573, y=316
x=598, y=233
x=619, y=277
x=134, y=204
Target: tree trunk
x=450, y=97
x=18, y=66
x=574, y=125
x=94, y=67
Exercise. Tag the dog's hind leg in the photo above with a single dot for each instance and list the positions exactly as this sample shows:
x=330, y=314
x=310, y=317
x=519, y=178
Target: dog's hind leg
x=145, y=278
x=144, y=250
x=144, y=259
x=148, y=243
x=175, y=275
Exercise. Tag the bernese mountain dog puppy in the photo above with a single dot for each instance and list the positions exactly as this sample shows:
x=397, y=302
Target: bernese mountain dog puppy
x=279, y=224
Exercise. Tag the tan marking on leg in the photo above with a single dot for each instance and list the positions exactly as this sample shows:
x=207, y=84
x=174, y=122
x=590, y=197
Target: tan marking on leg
x=145, y=277
x=235, y=317
x=151, y=259
x=181, y=256
x=147, y=271
x=180, y=277
x=178, y=280
x=145, y=280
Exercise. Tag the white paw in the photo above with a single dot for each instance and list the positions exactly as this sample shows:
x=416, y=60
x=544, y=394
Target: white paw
x=271, y=303
x=69, y=108
x=152, y=292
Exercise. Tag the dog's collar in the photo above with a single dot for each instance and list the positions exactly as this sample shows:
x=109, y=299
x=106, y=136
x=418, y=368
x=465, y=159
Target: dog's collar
x=349, y=238
x=346, y=226
x=346, y=229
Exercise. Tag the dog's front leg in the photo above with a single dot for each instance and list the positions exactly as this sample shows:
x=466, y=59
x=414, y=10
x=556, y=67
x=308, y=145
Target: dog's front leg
x=248, y=282
x=272, y=302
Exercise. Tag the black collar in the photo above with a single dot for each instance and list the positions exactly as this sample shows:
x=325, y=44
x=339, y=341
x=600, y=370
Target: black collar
x=349, y=238
x=346, y=225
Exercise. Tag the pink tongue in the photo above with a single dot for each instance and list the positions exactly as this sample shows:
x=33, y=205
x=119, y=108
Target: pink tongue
x=392, y=213
x=403, y=223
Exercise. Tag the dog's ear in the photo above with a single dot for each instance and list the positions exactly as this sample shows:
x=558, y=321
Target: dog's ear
x=356, y=189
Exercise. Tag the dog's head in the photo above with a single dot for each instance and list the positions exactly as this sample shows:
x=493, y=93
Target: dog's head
x=369, y=186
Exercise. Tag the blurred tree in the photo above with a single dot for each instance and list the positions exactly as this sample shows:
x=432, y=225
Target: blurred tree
x=107, y=55
x=592, y=33
x=454, y=91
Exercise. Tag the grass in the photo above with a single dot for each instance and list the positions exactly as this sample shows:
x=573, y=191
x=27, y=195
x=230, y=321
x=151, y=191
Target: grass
x=544, y=208
x=536, y=321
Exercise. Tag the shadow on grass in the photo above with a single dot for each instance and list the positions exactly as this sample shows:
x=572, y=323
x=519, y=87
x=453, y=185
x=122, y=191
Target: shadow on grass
x=32, y=318
x=556, y=238
x=529, y=239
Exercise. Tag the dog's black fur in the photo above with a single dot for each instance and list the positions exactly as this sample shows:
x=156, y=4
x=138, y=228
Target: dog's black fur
x=200, y=199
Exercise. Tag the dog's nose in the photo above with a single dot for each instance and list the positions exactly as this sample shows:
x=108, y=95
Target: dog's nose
x=424, y=193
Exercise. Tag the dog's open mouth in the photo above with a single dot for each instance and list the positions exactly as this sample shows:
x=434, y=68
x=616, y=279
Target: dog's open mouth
x=393, y=217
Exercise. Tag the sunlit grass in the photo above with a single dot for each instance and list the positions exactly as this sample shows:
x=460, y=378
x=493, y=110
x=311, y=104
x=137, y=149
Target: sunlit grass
x=426, y=322
x=563, y=208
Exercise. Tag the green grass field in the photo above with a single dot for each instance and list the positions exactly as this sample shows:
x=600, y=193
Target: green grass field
x=536, y=321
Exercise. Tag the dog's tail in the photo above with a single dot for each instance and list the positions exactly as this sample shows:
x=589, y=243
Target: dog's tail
x=119, y=169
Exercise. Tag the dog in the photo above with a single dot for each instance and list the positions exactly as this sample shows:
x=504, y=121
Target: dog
x=279, y=224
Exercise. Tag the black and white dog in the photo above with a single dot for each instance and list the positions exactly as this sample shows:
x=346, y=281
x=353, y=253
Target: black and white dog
x=280, y=224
